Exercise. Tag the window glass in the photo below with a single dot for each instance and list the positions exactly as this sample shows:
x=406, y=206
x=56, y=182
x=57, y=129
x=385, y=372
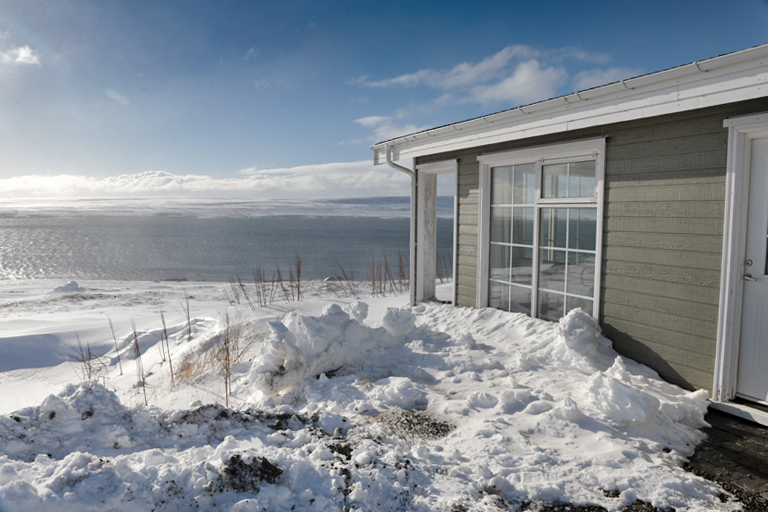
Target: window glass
x=582, y=228
x=498, y=295
x=575, y=179
x=553, y=227
x=499, y=263
x=520, y=300
x=555, y=180
x=522, y=265
x=522, y=226
x=581, y=180
x=552, y=269
x=524, y=190
x=544, y=245
x=551, y=306
x=578, y=302
x=501, y=185
x=581, y=274
x=501, y=224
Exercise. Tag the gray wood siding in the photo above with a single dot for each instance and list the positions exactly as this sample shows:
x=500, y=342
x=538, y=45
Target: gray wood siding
x=662, y=226
x=467, y=231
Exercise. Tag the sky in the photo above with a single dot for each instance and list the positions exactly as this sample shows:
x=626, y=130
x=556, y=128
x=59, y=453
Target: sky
x=254, y=99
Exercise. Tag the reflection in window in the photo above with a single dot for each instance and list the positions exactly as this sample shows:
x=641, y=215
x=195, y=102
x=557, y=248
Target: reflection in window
x=573, y=179
x=566, y=259
x=513, y=190
x=544, y=229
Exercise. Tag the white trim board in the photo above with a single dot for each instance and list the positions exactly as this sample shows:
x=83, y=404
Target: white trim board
x=433, y=169
x=742, y=411
x=740, y=131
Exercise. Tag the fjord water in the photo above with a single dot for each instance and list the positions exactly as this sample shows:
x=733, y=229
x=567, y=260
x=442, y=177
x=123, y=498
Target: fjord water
x=198, y=249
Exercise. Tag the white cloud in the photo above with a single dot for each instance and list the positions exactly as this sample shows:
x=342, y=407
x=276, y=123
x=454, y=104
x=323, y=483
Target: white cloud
x=594, y=77
x=372, y=121
x=529, y=82
x=516, y=74
x=385, y=128
x=578, y=54
x=112, y=94
x=341, y=179
x=461, y=75
x=20, y=55
x=251, y=54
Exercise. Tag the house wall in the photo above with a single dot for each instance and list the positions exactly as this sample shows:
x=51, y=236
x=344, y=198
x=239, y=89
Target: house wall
x=662, y=243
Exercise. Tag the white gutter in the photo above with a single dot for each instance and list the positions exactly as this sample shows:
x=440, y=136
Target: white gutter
x=412, y=244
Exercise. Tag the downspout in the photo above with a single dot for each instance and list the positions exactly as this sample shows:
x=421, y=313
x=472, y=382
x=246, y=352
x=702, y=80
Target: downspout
x=412, y=254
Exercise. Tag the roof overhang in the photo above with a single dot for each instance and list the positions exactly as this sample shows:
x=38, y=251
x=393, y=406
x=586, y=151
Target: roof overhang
x=720, y=80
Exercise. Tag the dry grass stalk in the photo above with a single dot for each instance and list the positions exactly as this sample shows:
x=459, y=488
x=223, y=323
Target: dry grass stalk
x=139, y=365
x=444, y=265
x=389, y=280
x=226, y=358
x=117, y=350
x=282, y=283
x=185, y=307
x=298, y=277
x=291, y=282
x=439, y=267
x=89, y=362
x=342, y=285
x=370, y=269
x=263, y=295
x=220, y=352
x=167, y=347
x=245, y=294
x=402, y=275
x=235, y=292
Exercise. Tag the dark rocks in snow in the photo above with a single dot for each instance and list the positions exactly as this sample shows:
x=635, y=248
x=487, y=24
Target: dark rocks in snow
x=342, y=449
x=245, y=474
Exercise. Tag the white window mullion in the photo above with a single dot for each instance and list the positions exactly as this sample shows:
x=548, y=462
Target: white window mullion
x=535, y=250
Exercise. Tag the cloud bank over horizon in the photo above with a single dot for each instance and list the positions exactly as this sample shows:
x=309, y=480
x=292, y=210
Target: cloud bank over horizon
x=331, y=180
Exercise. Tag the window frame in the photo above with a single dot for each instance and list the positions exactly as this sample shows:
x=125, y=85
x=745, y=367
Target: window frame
x=579, y=151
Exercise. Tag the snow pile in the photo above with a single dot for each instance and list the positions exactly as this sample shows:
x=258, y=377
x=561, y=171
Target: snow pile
x=433, y=408
x=70, y=287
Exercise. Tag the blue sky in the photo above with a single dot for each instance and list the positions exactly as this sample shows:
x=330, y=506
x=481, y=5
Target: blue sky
x=283, y=99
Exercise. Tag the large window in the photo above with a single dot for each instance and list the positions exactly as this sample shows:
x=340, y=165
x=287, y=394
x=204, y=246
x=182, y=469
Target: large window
x=541, y=225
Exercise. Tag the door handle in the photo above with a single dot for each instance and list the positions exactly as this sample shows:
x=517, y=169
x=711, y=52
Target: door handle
x=749, y=277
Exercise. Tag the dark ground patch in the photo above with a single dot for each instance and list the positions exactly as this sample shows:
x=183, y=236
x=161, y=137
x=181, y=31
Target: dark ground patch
x=246, y=474
x=735, y=456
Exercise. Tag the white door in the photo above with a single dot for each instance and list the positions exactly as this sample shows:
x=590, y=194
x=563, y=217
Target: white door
x=753, y=348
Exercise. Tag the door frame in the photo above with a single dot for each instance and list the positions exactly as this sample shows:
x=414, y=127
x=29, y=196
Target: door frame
x=741, y=131
x=426, y=237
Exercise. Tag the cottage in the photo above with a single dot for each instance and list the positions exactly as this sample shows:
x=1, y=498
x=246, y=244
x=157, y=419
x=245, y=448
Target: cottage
x=643, y=202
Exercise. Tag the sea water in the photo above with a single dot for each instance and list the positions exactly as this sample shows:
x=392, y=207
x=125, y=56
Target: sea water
x=151, y=244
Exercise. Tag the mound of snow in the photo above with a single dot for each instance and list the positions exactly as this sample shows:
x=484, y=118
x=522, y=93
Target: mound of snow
x=70, y=287
x=435, y=408
x=302, y=346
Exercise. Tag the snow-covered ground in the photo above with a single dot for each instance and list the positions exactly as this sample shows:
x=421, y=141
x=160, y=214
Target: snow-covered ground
x=336, y=403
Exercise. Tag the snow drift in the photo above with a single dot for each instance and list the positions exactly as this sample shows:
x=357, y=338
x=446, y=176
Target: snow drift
x=434, y=408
